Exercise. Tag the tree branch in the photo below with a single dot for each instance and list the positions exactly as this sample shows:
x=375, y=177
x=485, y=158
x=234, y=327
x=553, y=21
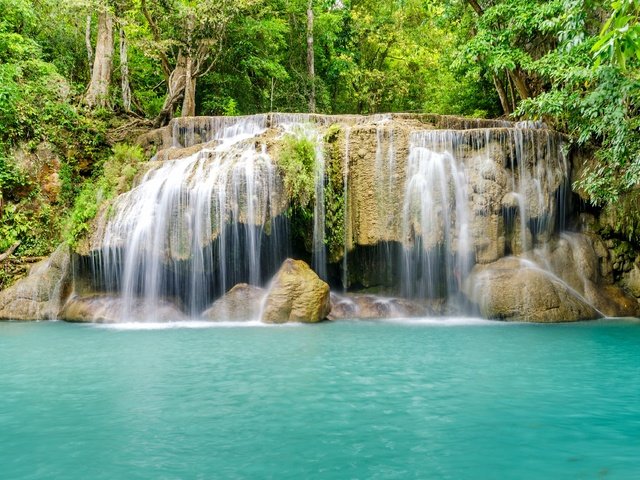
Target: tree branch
x=164, y=60
x=476, y=6
x=9, y=252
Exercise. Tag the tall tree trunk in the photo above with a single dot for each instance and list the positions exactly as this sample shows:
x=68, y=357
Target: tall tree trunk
x=189, y=100
x=521, y=85
x=87, y=41
x=175, y=91
x=98, y=91
x=124, y=72
x=310, y=58
x=504, y=100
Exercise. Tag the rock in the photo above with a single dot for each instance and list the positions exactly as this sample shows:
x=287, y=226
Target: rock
x=39, y=296
x=242, y=302
x=516, y=290
x=612, y=301
x=296, y=294
x=109, y=309
x=373, y=306
x=510, y=201
x=488, y=238
x=631, y=281
x=520, y=242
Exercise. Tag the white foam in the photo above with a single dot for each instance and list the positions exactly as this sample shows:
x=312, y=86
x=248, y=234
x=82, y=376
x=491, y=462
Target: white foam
x=174, y=325
x=444, y=321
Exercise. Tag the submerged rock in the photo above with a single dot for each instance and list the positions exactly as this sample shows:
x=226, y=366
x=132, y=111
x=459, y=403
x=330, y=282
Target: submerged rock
x=39, y=296
x=296, y=294
x=109, y=308
x=373, y=306
x=242, y=302
x=517, y=290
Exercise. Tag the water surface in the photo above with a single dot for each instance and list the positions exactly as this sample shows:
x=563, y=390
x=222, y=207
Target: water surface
x=415, y=399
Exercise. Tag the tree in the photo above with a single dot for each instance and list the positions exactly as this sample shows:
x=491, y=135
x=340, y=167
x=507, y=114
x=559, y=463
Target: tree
x=98, y=90
x=310, y=58
x=188, y=38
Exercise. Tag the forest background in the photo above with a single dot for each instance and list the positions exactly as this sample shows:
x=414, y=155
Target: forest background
x=79, y=77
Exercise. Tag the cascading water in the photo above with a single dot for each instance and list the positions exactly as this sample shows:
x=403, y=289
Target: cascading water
x=196, y=226
x=420, y=207
x=437, y=254
x=345, y=189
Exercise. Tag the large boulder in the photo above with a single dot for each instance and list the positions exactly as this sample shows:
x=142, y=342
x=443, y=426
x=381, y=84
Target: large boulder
x=102, y=308
x=296, y=294
x=518, y=290
x=39, y=296
x=373, y=306
x=242, y=302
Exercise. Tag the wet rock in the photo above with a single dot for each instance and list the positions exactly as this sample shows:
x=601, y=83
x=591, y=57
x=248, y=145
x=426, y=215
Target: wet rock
x=373, y=306
x=581, y=260
x=296, y=294
x=631, y=281
x=612, y=300
x=109, y=309
x=516, y=290
x=488, y=238
x=242, y=302
x=39, y=296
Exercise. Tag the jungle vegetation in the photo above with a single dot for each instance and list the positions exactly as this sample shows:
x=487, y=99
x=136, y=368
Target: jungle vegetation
x=76, y=76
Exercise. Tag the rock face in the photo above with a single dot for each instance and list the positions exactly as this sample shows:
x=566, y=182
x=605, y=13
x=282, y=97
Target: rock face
x=517, y=290
x=373, y=306
x=583, y=262
x=632, y=281
x=108, y=309
x=296, y=294
x=39, y=296
x=242, y=302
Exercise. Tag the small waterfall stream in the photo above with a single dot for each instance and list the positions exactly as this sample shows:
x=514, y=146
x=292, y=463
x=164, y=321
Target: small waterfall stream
x=194, y=227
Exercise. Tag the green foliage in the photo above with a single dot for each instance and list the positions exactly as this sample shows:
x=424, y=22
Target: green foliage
x=334, y=195
x=297, y=162
x=623, y=217
x=118, y=173
x=619, y=40
x=12, y=178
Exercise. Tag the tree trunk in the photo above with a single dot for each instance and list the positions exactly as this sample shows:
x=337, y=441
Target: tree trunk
x=189, y=101
x=310, y=58
x=175, y=89
x=124, y=72
x=87, y=41
x=520, y=84
x=504, y=100
x=476, y=6
x=98, y=91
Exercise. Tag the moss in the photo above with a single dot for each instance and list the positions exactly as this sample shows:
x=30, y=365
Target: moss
x=333, y=133
x=118, y=173
x=334, y=195
x=297, y=163
x=622, y=218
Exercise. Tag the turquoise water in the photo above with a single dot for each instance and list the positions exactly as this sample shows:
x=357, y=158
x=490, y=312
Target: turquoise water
x=442, y=399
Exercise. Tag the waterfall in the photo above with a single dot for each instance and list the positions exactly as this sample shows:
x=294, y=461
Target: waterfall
x=474, y=196
x=422, y=206
x=319, y=257
x=435, y=215
x=345, y=187
x=195, y=226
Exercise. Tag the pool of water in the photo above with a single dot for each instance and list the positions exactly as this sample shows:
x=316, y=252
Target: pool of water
x=454, y=398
